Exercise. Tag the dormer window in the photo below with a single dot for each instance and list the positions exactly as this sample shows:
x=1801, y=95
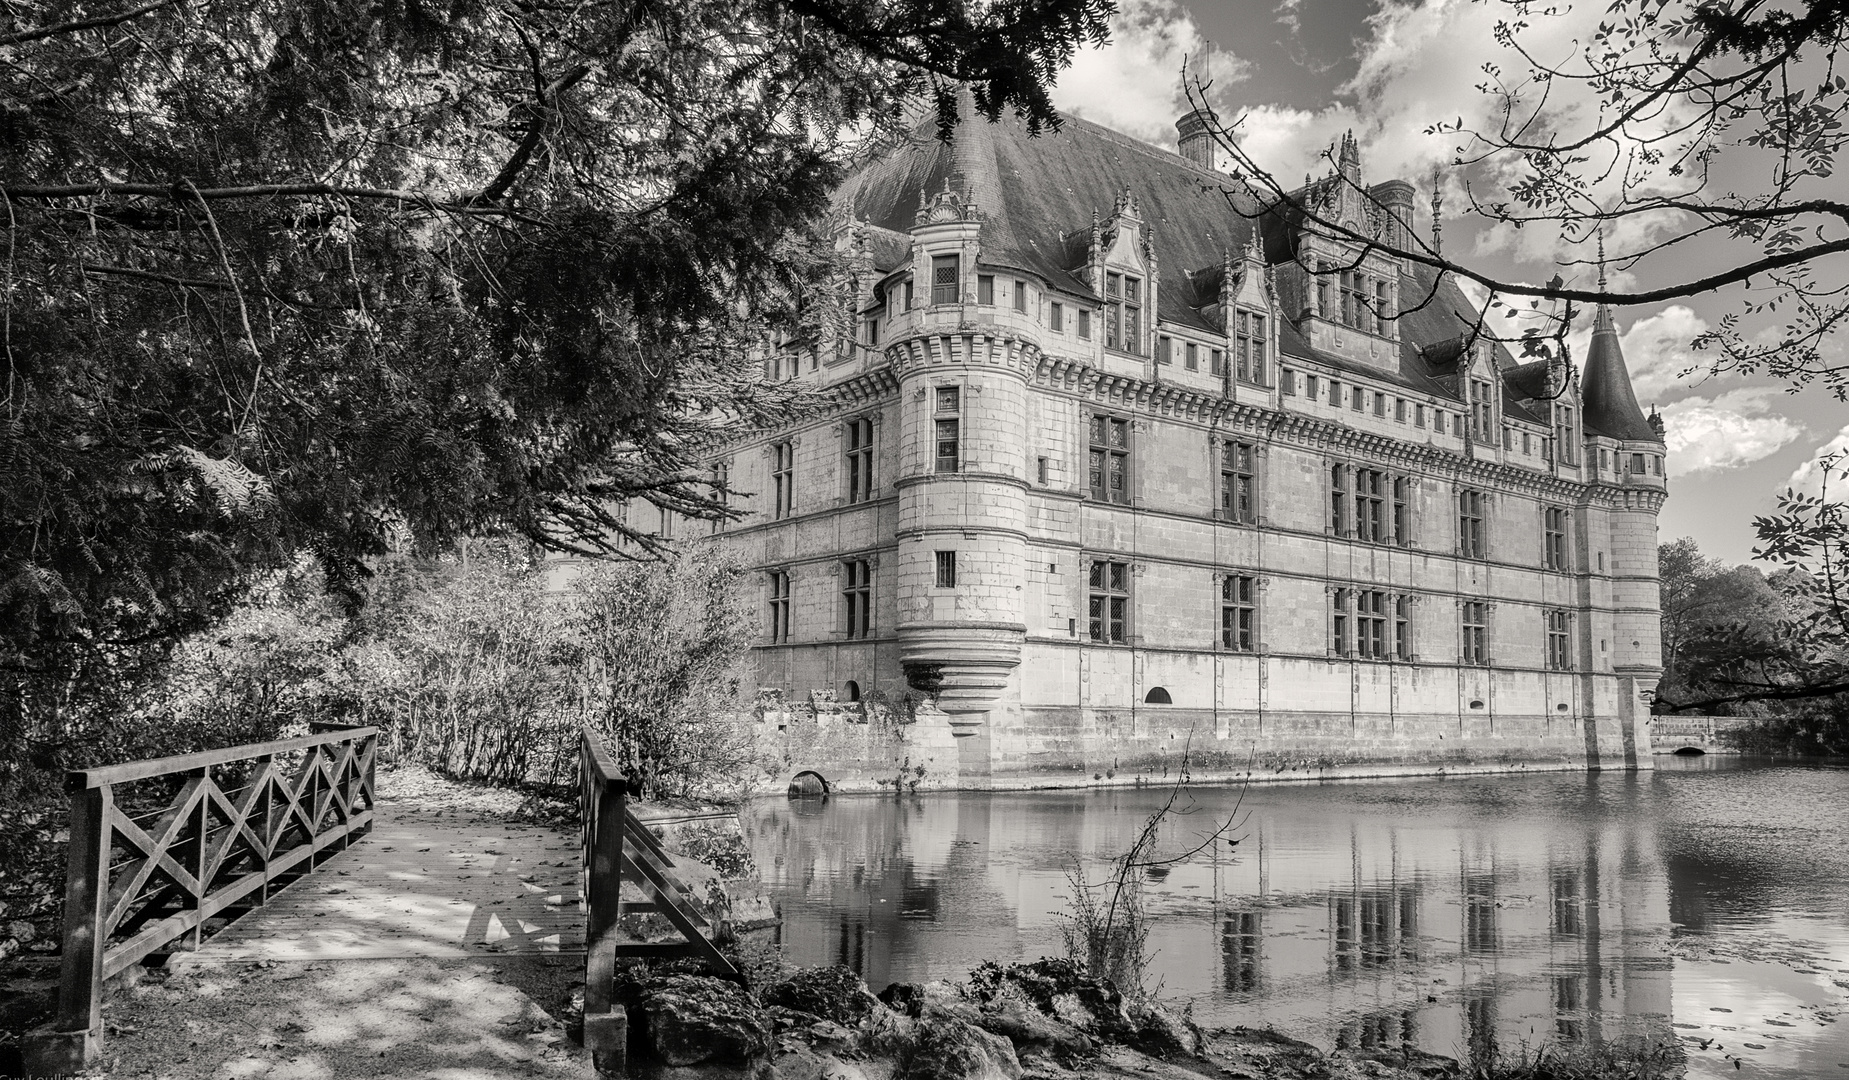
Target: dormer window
x=943, y=279
x=1123, y=312
x=1563, y=434
x=1481, y=416
x=1249, y=346
x=1364, y=302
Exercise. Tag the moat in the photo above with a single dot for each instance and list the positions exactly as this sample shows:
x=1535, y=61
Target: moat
x=1707, y=902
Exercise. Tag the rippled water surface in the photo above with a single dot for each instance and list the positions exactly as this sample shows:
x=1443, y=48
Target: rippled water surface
x=1707, y=902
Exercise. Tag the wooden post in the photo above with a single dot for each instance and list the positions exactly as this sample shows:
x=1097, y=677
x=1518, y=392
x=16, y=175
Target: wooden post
x=200, y=867
x=72, y=1044
x=368, y=788
x=267, y=799
x=606, y=1025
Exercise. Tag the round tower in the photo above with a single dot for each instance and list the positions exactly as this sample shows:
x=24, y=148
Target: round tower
x=1626, y=455
x=962, y=485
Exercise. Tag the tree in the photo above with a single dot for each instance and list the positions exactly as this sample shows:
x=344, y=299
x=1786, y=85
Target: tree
x=1740, y=639
x=1712, y=126
x=663, y=644
x=286, y=277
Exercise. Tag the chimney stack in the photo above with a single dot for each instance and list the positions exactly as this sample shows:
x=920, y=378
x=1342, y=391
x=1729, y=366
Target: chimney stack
x=1196, y=137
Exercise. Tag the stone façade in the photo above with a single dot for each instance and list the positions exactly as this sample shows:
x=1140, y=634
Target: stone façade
x=1000, y=242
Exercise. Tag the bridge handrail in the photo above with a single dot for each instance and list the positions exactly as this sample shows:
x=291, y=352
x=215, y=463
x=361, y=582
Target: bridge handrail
x=600, y=813
x=183, y=867
x=617, y=845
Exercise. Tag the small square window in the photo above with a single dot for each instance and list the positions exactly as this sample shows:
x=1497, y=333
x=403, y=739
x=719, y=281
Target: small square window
x=946, y=569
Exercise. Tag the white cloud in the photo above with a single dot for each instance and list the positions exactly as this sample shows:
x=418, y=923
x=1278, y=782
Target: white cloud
x=1290, y=143
x=1134, y=84
x=1808, y=477
x=1725, y=432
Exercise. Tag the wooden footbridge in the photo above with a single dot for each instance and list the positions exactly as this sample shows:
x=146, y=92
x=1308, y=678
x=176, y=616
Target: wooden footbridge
x=279, y=851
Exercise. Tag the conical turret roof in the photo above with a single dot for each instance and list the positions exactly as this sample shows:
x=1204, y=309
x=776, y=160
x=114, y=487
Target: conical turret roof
x=1611, y=404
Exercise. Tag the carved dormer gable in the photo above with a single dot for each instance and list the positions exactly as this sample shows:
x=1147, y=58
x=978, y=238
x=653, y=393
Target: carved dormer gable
x=945, y=208
x=1350, y=294
x=1123, y=271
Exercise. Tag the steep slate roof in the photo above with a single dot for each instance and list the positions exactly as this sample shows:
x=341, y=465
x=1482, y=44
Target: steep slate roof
x=1611, y=405
x=1039, y=196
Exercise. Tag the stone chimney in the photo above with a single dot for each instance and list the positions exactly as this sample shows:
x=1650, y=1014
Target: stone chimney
x=1196, y=137
x=1395, y=199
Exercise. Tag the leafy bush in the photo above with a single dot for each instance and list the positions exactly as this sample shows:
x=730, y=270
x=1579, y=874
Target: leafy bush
x=719, y=846
x=662, y=647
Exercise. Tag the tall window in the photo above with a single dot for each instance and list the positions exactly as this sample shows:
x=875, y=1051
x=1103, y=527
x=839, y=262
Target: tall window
x=1338, y=500
x=779, y=605
x=857, y=596
x=1110, y=459
x=1123, y=312
x=1371, y=623
x=985, y=289
x=948, y=428
x=1249, y=347
x=1402, y=511
x=1085, y=324
x=1476, y=632
x=1369, y=484
x=1559, y=649
x=1470, y=524
x=858, y=437
x=1402, y=627
x=1483, y=423
x=1340, y=642
x=1192, y=356
x=1056, y=317
x=1237, y=501
x=783, y=479
x=1110, y=602
x=946, y=569
x=1563, y=435
x=943, y=279
x=1554, y=535
x=1362, y=300
x=1020, y=296
x=1238, y=613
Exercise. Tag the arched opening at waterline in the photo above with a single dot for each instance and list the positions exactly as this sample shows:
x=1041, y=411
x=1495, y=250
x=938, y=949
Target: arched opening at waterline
x=808, y=785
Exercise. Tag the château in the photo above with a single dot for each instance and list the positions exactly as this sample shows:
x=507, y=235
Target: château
x=1117, y=466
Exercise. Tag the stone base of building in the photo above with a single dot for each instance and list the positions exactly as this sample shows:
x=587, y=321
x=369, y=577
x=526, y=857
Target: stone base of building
x=856, y=750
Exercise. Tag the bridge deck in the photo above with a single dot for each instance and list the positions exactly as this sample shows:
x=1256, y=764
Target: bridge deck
x=425, y=883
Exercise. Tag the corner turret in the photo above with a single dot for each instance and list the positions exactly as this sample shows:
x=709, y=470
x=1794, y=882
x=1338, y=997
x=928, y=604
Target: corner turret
x=1611, y=403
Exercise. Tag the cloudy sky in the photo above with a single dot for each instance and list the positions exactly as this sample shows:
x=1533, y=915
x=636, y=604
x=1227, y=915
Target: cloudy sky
x=1300, y=72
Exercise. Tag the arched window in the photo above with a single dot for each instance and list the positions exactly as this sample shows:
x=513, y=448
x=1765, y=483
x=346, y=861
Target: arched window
x=1157, y=696
x=851, y=692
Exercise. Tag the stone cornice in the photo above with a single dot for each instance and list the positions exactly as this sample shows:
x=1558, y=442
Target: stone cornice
x=967, y=344
x=992, y=346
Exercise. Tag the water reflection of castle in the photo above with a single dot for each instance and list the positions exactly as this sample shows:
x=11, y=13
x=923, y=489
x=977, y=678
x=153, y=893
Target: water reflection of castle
x=1447, y=935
